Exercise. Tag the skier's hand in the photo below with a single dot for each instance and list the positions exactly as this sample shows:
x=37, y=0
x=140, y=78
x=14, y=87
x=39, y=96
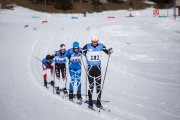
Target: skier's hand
x=44, y=68
x=52, y=56
x=110, y=51
x=47, y=66
x=79, y=54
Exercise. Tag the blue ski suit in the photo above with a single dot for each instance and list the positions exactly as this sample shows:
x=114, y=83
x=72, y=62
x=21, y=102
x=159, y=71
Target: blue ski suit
x=74, y=68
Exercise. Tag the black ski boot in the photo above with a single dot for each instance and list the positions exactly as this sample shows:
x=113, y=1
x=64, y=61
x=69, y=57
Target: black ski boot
x=79, y=95
x=52, y=83
x=90, y=104
x=57, y=91
x=65, y=91
x=71, y=95
x=45, y=83
x=98, y=104
x=90, y=99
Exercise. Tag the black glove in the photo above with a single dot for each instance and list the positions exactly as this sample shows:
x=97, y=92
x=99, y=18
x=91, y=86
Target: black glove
x=110, y=51
x=48, y=66
x=52, y=56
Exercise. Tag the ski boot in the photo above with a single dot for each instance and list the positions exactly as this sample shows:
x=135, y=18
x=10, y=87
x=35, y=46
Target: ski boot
x=71, y=95
x=98, y=104
x=52, y=83
x=90, y=106
x=45, y=83
x=65, y=91
x=79, y=96
x=57, y=91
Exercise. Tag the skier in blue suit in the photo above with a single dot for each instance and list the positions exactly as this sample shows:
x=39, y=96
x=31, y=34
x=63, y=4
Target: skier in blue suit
x=48, y=63
x=75, y=70
x=60, y=66
x=93, y=54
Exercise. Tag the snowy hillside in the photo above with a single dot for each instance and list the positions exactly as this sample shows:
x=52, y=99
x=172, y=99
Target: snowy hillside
x=143, y=78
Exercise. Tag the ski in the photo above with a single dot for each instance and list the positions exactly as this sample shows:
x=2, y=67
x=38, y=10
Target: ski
x=91, y=108
x=104, y=109
x=65, y=95
x=76, y=102
x=46, y=87
x=80, y=101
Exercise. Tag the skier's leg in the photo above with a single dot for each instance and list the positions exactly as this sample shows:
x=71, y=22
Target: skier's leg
x=71, y=84
x=91, y=85
x=78, y=78
x=63, y=72
x=52, y=75
x=57, y=81
x=45, y=76
x=57, y=70
x=98, y=85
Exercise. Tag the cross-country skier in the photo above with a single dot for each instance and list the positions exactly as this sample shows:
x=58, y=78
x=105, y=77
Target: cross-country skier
x=75, y=70
x=48, y=63
x=60, y=66
x=93, y=53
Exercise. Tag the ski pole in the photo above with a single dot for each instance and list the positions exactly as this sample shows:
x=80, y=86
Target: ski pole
x=105, y=73
x=86, y=84
x=85, y=76
x=54, y=77
x=66, y=80
x=38, y=59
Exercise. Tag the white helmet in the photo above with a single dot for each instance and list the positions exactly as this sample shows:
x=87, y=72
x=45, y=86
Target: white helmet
x=94, y=37
x=62, y=46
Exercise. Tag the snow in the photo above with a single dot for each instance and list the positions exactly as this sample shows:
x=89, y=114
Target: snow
x=142, y=82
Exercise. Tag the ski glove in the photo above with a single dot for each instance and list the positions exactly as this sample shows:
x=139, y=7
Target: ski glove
x=110, y=51
x=48, y=66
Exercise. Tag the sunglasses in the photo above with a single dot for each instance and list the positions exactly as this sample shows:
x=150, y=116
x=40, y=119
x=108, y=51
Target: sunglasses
x=76, y=48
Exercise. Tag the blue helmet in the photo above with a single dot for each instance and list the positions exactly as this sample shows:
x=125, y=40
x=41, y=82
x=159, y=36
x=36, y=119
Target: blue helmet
x=75, y=44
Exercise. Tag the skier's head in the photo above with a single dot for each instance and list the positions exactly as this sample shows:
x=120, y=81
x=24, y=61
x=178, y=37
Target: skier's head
x=94, y=40
x=48, y=58
x=62, y=48
x=75, y=46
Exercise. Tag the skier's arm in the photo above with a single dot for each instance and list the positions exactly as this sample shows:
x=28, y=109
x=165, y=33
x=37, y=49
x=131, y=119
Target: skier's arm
x=43, y=66
x=107, y=51
x=84, y=50
x=68, y=54
x=54, y=55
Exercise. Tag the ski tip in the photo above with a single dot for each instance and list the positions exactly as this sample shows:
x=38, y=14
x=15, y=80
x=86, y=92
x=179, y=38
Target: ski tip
x=90, y=107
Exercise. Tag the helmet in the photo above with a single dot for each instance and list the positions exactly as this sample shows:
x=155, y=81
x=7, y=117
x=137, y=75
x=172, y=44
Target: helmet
x=75, y=44
x=62, y=46
x=48, y=57
x=94, y=38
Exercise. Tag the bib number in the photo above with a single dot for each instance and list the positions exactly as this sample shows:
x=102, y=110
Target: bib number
x=94, y=57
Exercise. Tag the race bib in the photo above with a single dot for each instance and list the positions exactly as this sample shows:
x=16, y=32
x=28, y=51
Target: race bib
x=75, y=59
x=57, y=59
x=94, y=56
